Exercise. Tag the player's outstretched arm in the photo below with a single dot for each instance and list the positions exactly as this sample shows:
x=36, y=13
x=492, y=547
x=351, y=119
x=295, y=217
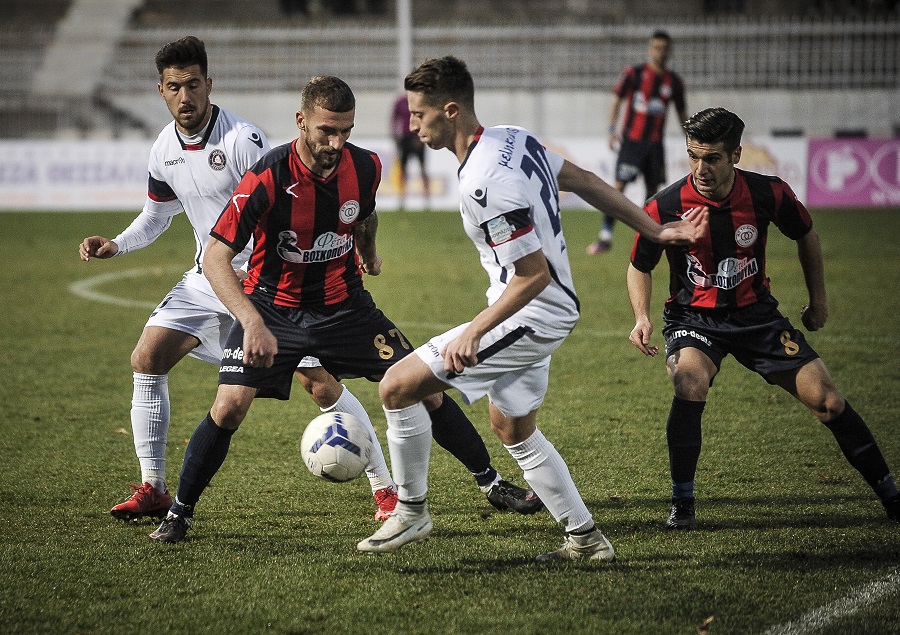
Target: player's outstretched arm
x=97, y=247
x=640, y=285
x=595, y=191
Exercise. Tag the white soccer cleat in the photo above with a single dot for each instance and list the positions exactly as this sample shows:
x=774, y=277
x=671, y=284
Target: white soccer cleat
x=591, y=546
x=408, y=523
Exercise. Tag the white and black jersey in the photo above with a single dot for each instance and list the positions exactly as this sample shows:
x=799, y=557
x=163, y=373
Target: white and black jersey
x=509, y=200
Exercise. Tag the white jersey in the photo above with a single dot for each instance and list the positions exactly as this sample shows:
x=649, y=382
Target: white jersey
x=197, y=176
x=509, y=200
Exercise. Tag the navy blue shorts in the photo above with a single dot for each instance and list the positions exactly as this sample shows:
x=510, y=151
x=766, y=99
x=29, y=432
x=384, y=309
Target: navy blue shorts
x=758, y=336
x=351, y=339
x=644, y=158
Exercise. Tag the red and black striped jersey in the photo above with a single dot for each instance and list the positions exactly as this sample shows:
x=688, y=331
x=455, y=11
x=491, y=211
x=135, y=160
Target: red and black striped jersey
x=727, y=269
x=302, y=225
x=647, y=94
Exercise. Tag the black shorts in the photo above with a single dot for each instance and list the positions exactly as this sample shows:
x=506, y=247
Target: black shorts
x=352, y=339
x=408, y=147
x=758, y=336
x=641, y=157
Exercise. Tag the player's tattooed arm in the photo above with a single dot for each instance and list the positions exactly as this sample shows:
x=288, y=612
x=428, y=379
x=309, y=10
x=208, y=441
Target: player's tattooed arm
x=364, y=234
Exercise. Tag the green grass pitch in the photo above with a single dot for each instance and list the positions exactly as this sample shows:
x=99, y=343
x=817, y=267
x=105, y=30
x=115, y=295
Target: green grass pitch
x=786, y=526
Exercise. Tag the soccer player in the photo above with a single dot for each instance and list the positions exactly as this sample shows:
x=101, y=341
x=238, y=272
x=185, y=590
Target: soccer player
x=309, y=208
x=720, y=303
x=408, y=147
x=195, y=164
x=646, y=89
x=509, y=199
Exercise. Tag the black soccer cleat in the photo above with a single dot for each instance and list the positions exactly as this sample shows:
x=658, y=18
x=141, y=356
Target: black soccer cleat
x=681, y=516
x=172, y=529
x=504, y=495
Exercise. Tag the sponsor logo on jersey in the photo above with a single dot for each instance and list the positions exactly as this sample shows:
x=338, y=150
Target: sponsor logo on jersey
x=217, y=160
x=327, y=246
x=171, y=162
x=746, y=235
x=499, y=230
x=349, y=211
x=685, y=333
x=255, y=138
x=731, y=272
x=480, y=196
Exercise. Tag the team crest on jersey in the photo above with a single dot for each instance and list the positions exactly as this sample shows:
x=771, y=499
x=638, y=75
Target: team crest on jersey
x=499, y=230
x=349, y=211
x=746, y=235
x=217, y=160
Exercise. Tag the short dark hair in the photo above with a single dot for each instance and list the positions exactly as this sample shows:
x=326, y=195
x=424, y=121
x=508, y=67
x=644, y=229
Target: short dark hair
x=661, y=35
x=328, y=92
x=715, y=125
x=443, y=80
x=182, y=53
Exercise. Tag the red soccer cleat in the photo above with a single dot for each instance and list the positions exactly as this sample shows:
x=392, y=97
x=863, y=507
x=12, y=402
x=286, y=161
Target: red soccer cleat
x=146, y=501
x=386, y=500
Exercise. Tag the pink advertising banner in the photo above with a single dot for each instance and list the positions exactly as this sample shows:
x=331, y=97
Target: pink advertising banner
x=853, y=173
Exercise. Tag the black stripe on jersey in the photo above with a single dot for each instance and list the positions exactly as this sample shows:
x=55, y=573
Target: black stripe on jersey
x=721, y=231
x=503, y=343
x=206, y=135
x=569, y=292
x=763, y=199
x=159, y=191
x=519, y=220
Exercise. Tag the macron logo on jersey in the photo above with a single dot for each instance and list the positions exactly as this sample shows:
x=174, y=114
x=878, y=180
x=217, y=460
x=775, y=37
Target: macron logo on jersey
x=480, y=197
x=171, y=162
x=255, y=138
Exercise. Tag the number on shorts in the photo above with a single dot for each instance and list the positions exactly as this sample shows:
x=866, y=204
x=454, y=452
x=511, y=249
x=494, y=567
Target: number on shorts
x=790, y=346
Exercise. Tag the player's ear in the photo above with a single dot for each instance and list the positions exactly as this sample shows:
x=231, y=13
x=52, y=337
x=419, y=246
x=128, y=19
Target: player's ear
x=451, y=110
x=208, y=85
x=300, y=123
x=736, y=155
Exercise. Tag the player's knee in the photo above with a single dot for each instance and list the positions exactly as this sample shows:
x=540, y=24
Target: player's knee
x=690, y=385
x=145, y=362
x=392, y=391
x=826, y=405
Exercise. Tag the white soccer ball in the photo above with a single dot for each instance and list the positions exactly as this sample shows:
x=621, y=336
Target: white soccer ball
x=336, y=447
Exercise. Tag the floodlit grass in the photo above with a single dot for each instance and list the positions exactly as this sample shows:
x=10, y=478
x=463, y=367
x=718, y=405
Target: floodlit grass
x=786, y=525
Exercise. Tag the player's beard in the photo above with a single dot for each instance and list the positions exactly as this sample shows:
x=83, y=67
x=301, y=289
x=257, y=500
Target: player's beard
x=325, y=157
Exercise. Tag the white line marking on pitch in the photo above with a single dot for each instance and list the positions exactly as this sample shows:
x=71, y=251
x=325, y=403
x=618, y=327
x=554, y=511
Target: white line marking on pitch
x=86, y=288
x=848, y=605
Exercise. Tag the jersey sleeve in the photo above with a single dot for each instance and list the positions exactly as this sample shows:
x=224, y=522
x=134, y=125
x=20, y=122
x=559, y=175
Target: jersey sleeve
x=237, y=222
x=249, y=147
x=160, y=206
x=503, y=214
x=791, y=216
x=625, y=81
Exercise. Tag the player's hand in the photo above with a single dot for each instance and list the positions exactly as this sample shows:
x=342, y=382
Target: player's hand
x=813, y=317
x=615, y=140
x=693, y=226
x=260, y=347
x=372, y=267
x=97, y=247
x=640, y=337
x=461, y=353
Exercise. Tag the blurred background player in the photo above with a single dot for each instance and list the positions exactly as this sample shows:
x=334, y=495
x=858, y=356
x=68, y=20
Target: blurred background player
x=646, y=89
x=408, y=147
x=720, y=304
x=195, y=164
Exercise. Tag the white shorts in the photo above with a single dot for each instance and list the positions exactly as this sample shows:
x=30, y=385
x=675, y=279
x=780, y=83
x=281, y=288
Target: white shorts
x=513, y=370
x=188, y=310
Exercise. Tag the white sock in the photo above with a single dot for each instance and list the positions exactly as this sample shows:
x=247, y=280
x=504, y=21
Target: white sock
x=376, y=470
x=548, y=475
x=150, y=426
x=409, y=442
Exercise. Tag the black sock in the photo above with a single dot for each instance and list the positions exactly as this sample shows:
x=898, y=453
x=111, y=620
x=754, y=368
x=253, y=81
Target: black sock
x=204, y=456
x=452, y=430
x=684, y=438
x=859, y=446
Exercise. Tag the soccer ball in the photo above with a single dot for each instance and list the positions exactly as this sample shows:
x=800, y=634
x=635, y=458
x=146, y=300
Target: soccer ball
x=336, y=447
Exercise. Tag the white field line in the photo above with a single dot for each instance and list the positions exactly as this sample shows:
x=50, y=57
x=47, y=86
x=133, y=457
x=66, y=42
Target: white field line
x=853, y=602
x=86, y=289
